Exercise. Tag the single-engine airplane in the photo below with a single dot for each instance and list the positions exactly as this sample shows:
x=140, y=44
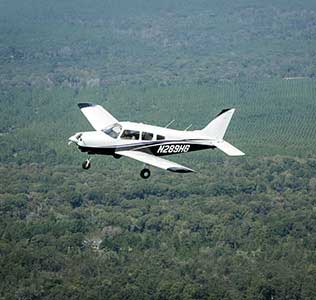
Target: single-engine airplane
x=147, y=143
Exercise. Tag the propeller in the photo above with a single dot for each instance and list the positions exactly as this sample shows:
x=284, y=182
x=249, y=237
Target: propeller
x=75, y=138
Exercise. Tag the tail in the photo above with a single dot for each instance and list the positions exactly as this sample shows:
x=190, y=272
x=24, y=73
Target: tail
x=216, y=130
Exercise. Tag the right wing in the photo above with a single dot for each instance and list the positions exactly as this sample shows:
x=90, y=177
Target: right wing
x=98, y=117
x=155, y=161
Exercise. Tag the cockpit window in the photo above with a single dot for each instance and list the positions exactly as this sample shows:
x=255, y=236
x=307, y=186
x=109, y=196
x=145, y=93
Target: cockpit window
x=113, y=131
x=130, y=135
x=147, y=136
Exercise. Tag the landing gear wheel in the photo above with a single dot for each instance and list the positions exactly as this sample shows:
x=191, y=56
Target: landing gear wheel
x=145, y=173
x=86, y=164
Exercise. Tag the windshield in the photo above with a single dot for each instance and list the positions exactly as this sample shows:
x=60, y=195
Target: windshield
x=113, y=131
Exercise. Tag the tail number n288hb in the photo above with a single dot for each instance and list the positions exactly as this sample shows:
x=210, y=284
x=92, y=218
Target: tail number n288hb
x=173, y=149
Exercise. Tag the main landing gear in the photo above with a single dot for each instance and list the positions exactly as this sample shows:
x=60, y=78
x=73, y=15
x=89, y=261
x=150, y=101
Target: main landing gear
x=86, y=164
x=145, y=173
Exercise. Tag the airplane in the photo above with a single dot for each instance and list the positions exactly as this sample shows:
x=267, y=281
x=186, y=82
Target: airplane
x=147, y=143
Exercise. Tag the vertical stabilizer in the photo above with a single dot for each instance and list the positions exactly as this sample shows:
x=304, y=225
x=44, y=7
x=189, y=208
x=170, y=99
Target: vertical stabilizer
x=216, y=129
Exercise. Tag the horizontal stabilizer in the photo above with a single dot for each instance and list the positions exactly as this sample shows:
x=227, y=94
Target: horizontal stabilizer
x=155, y=161
x=228, y=148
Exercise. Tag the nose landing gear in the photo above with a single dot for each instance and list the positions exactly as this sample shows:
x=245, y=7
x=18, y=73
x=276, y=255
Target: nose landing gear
x=86, y=164
x=145, y=173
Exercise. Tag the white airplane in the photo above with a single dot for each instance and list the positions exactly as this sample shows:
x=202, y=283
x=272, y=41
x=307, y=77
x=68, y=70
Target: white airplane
x=146, y=143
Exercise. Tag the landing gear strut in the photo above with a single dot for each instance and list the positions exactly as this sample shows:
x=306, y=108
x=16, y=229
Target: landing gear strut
x=145, y=173
x=86, y=164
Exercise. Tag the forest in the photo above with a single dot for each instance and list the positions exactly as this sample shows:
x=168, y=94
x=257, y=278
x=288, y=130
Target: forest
x=239, y=228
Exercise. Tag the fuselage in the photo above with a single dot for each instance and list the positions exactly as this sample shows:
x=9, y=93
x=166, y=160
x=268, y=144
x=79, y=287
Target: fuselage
x=155, y=140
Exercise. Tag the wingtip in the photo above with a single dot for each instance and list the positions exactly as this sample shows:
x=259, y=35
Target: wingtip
x=180, y=170
x=238, y=154
x=225, y=110
x=85, y=104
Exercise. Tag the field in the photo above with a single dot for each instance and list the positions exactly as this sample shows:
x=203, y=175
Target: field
x=273, y=117
x=239, y=228
x=104, y=43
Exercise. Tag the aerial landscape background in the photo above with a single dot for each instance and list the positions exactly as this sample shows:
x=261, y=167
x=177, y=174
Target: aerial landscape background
x=240, y=228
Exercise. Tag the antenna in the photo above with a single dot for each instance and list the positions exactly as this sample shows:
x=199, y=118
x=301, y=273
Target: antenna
x=188, y=127
x=169, y=123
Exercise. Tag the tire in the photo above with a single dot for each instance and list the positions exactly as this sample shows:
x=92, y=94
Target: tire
x=86, y=164
x=145, y=173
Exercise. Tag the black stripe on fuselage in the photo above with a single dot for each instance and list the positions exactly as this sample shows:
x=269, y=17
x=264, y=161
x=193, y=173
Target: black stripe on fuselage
x=111, y=149
x=157, y=148
x=101, y=151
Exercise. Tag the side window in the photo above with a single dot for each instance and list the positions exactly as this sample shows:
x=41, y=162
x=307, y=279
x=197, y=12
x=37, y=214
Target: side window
x=160, y=137
x=130, y=135
x=147, y=136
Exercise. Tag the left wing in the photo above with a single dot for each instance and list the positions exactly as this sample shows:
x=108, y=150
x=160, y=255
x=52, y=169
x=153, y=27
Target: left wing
x=155, y=161
x=98, y=117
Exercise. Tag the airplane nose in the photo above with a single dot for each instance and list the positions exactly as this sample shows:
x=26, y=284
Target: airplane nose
x=74, y=138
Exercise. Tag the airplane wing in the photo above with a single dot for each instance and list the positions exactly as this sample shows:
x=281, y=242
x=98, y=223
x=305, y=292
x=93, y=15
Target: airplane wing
x=155, y=161
x=228, y=148
x=98, y=117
